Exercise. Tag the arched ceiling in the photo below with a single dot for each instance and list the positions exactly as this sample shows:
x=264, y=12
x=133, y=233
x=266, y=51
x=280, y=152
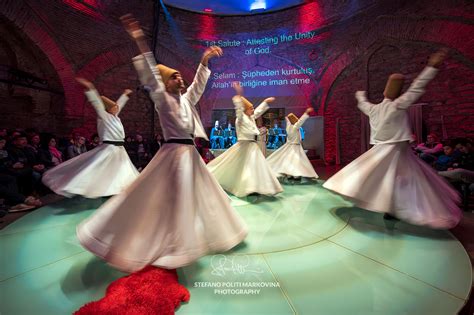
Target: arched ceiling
x=233, y=7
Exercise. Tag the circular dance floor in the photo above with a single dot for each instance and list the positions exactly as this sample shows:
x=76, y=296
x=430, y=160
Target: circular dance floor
x=308, y=252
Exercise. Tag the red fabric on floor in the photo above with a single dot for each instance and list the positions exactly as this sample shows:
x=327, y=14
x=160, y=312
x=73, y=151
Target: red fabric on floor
x=149, y=291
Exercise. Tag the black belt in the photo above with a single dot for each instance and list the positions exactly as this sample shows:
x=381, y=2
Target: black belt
x=181, y=141
x=116, y=143
x=255, y=139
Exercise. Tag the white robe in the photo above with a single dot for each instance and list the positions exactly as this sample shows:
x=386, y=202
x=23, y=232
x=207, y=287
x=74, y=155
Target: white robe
x=242, y=169
x=103, y=171
x=389, y=178
x=262, y=140
x=290, y=159
x=175, y=212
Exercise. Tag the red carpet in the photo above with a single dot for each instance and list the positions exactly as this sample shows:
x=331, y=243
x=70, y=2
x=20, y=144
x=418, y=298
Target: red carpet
x=149, y=291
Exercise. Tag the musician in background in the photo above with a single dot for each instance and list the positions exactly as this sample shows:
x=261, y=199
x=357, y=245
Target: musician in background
x=276, y=136
x=217, y=139
x=272, y=135
x=230, y=137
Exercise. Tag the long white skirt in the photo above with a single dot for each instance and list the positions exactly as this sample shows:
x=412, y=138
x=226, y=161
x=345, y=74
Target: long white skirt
x=103, y=171
x=174, y=213
x=291, y=160
x=242, y=170
x=389, y=178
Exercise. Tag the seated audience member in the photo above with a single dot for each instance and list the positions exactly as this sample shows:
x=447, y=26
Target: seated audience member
x=77, y=148
x=34, y=142
x=142, y=150
x=446, y=160
x=4, y=157
x=12, y=198
x=49, y=154
x=24, y=164
x=459, y=148
x=430, y=149
x=94, y=142
x=62, y=144
x=130, y=148
x=3, y=133
x=14, y=133
x=5, y=160
x=461, y=170
x=30, y=132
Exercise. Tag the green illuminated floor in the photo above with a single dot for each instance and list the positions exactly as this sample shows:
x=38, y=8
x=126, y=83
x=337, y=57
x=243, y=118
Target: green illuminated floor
x=308, y=252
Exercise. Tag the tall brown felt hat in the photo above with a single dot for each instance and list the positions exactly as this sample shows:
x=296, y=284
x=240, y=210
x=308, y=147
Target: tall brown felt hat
x=166, y=72
x=394, y=86
x=292, y=118
x=247, y=103
x=108, y=103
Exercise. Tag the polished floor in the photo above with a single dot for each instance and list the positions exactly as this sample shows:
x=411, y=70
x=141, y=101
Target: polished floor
x=308, y=252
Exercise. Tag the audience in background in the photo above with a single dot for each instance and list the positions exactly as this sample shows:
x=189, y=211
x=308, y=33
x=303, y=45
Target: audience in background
x=156, y=145
x=13, y=198
x=3, y=133
x=3, y=153
x=23, y=159
x=130, y=148
x=77, y=148
x=446, y=160
x=24, y=164
x=142, y=149
x=462, y=169
x=34, y=142
x=93, y=143
x=49, y=154
x=430, y=149
x=8, y=184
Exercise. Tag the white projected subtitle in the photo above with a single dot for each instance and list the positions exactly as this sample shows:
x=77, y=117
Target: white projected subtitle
x=279, y=78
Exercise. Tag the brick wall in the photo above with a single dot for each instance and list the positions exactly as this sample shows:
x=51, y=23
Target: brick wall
x=357, y=45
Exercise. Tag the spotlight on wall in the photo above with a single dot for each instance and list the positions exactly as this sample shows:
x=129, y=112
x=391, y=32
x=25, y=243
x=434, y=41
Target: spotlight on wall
x=258, y=5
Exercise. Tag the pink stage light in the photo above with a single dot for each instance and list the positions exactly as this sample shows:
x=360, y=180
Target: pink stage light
x=310, y=17
x=207, y=29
